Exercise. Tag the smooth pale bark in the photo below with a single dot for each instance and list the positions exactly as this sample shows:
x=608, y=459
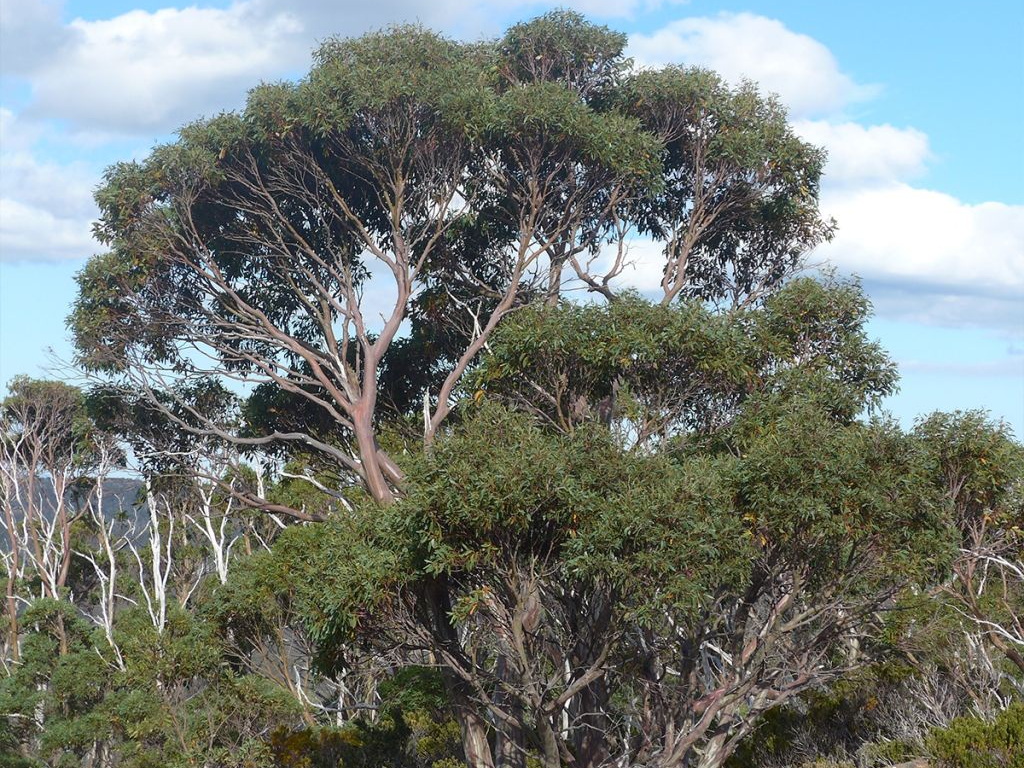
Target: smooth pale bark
x=474, y=737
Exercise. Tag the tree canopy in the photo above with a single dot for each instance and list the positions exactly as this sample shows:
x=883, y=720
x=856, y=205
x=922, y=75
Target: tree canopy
x=352, y=241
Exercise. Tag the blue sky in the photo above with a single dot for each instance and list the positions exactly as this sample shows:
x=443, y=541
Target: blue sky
x=920, y=104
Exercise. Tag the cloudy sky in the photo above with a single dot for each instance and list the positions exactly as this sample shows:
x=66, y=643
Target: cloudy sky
x=920, y=104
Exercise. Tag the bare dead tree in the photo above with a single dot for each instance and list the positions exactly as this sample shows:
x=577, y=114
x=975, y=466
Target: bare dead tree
x=114, y=532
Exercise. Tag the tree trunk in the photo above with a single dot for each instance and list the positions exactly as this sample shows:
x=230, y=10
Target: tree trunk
x=589, y=742
x=550, y=757
x=714, y=753
x=15, y=570
x=509, y=742
x=12, y=622
x=475, y=745
x=370, y=458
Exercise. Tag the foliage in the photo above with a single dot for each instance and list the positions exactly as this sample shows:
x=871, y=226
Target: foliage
x=564, y=543
x=972, y=743
x=417, y=729
x=169, y=705
x=51, y=411
x=739, y=202
x=684, y=370
x=475, y=178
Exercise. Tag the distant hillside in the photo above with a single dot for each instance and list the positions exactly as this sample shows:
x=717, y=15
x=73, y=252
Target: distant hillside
x=120, y=494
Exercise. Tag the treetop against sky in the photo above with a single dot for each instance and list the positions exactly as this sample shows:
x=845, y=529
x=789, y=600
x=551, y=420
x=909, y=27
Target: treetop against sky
x=923, y=175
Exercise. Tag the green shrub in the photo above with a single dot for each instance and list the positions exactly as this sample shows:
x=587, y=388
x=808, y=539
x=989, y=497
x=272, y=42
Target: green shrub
x=970, y=742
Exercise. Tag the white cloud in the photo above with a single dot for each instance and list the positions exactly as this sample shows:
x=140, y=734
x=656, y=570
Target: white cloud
x=859, y=154
x=64, y=188
x=802, y=71
x=941, y=307
x=46, y=208
x=150, y=72
x=34, y=233
x=30, y=32
x=905, y=233
x=321, y=19
x=147, y=73
x=15, y=134
x=929, y=257
x=56, y=186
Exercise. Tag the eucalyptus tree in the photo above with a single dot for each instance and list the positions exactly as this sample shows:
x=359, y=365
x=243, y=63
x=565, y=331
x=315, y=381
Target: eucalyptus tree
x=414, y=182
x=50, y=451
x=347, y=251
x=637, y=586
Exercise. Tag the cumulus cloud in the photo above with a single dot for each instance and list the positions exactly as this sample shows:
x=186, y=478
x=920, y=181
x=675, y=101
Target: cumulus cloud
x=46, y=208
x=149, y=72
x=16, y=134
x=924, y=235
x=739, y=46
x=31, y=32
x=33, y=233
x=946, y=308
x=320, y=20
x=860, y=154
x=924, y=255
x=929, y=257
